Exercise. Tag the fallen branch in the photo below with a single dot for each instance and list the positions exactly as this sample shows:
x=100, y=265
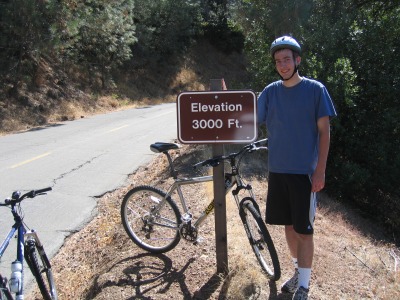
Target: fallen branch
x=345, y=248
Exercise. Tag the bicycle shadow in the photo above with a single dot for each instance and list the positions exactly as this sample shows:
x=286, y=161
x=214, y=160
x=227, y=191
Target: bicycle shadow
x=140, y=275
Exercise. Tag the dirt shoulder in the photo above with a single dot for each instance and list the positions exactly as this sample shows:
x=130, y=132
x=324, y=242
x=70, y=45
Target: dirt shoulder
x=353, y=258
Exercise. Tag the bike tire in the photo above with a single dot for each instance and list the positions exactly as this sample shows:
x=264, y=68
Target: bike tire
x=39, y=264
x=260, y=239
x=151, y=227
x=5, y=293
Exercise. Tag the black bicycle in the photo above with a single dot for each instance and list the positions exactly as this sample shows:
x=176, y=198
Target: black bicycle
x=154, y=222
x=28, y=247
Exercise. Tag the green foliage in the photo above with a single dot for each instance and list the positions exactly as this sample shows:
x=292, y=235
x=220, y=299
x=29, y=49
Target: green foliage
x=220, y=29
x=165, y=27
x=24, y=35
x=352, y=47
x=374, y=59
x=97, y=34
x=262, y=22
x=226, y=37
x=364, y=162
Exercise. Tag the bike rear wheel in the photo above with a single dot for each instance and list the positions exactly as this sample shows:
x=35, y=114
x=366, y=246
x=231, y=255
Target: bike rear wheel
x=151, y=219
x=260, y=239
x=40, y=266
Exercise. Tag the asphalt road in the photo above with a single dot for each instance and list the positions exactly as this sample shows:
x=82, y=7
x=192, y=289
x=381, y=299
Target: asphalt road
x=80, y=160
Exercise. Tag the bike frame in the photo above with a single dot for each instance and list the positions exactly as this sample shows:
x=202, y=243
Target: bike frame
x=22, y=235
x=27, y=239
x=21, y=231
x=232, y=177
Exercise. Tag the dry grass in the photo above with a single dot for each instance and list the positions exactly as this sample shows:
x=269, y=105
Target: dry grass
x=352, y=259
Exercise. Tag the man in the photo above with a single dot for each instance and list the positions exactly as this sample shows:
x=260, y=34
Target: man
x=297, y=113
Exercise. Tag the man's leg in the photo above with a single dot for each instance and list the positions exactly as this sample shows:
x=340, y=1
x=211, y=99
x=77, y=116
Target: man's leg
x=305, y=250
x=301, y=246
x=305, y=254
x=292, y=284
x=291, y=239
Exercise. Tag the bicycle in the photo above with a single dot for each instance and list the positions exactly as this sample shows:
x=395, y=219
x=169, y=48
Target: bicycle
x=154, y=222
x=28, y=247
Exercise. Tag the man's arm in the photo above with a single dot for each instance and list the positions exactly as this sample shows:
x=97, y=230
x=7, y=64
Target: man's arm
x=318, y=178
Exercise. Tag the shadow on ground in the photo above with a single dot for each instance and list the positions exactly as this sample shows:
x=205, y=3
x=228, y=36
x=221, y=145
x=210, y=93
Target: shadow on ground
x=144, y=275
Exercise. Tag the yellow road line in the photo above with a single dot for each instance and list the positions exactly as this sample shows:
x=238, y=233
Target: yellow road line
x=30, y=160
x=115, y=129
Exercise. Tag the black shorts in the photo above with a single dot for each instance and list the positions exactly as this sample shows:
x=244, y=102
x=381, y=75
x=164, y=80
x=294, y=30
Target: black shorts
x=291, y=202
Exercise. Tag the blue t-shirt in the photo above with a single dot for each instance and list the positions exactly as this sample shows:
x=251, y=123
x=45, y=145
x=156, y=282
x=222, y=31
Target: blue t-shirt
x=291, y=116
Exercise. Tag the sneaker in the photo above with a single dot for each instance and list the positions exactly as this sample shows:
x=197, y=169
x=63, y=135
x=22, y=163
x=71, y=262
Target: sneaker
x=290, y=286
x=301, y=294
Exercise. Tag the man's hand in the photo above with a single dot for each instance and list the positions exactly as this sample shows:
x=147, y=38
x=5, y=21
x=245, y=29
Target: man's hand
x=318, y=181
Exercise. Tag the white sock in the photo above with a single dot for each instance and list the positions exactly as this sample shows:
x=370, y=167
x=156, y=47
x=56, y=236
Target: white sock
x=304, y=277
x=296, y=265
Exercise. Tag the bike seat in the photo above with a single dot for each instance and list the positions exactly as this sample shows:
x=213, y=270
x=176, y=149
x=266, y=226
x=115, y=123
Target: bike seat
x=163, y=147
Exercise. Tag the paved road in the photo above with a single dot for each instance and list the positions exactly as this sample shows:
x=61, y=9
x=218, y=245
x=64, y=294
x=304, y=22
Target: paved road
x=80, y=160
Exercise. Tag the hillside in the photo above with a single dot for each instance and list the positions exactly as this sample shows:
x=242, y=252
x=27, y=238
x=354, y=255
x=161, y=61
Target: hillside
x=60, y=94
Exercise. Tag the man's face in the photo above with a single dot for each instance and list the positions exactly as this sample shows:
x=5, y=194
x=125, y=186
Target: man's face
x=285, y=62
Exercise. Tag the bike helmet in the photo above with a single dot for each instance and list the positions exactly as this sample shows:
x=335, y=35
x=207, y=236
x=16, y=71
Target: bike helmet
x=285, y=42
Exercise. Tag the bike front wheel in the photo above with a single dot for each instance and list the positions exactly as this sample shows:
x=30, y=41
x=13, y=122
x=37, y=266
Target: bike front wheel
x=260, y=239
x=40, y=266
x=151, y=219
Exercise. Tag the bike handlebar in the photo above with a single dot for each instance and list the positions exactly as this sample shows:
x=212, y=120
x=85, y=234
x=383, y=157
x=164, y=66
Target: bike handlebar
x=38, y=192
x=215, y=161
x=16, y=196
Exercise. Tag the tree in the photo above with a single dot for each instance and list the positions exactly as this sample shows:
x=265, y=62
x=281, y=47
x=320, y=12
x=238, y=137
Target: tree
x=262, y=22
x=98, y=34
x=220, y=28
x=165, y=27
x=25, y=35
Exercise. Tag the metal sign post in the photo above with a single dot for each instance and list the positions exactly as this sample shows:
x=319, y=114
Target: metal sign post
x=218, y=117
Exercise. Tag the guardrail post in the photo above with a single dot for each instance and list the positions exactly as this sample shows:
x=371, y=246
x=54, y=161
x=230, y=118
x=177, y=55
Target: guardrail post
x=221, y=239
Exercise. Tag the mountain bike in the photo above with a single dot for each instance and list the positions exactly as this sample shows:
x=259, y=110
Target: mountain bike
x=28, y=247
x=154, y=222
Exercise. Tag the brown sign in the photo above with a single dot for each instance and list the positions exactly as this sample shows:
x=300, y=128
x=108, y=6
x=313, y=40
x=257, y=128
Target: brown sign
x=217, y=117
